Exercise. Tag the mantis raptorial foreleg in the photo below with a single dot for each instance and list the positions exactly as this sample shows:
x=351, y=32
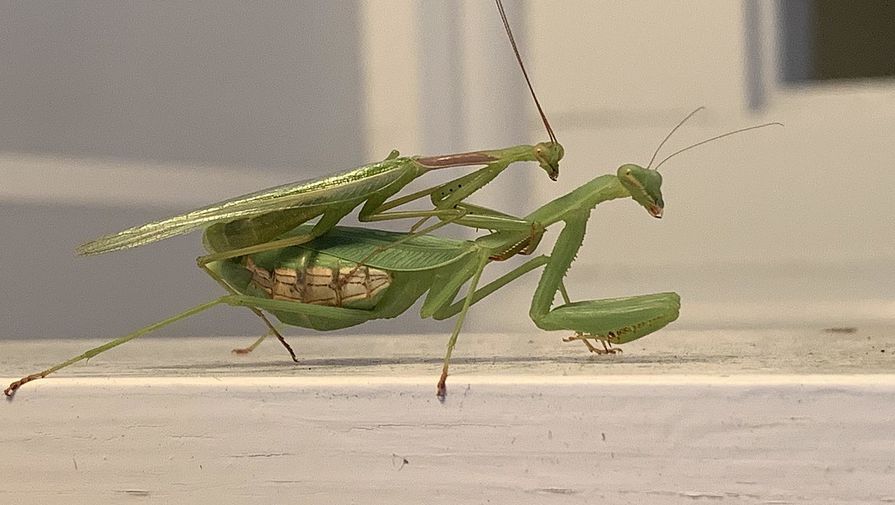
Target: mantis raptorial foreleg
x=608, y=321
x=447, y=198
x=444, y=196
x=616, y=320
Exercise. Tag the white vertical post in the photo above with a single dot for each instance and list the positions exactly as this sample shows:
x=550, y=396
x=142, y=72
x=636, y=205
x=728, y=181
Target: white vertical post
x=472, y=94
x=441, y=91
x=392, y=88
x=498, y=110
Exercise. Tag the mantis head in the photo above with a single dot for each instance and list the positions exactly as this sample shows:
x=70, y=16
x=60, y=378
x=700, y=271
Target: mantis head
x=548, y=155
x=645, y=186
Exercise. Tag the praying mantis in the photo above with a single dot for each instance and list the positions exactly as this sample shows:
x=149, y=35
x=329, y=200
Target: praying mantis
x=352, y=275
x=261, y=221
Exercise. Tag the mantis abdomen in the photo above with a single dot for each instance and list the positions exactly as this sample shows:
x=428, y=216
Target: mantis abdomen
x=321, y=281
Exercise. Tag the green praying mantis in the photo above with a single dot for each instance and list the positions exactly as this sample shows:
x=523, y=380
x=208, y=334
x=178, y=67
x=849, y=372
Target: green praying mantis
x=262, y=221
x=352, y=275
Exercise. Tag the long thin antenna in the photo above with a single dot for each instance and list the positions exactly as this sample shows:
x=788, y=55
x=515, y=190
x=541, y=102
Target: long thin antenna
x=741, y=130
x=506, y=25
x=656, y=152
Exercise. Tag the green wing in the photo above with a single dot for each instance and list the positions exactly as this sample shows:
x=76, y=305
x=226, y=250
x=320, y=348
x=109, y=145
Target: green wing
x=353, y=185
x=419, y=253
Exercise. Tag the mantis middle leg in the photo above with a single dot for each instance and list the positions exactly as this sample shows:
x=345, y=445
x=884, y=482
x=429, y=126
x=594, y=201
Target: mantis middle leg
x=440, y=303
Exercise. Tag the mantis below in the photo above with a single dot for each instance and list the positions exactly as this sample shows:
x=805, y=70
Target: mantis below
x=352, y=275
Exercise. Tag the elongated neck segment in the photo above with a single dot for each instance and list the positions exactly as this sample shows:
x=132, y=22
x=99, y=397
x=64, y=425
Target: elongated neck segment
x=508, y=155
x=583, y=199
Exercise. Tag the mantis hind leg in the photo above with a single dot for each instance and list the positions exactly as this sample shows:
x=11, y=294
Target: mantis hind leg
x=610, y=321
x=11, y=389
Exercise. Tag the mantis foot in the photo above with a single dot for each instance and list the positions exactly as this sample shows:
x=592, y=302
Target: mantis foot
x=607, y=344
x=10, y=391
x=288, y=348
x=441, y=388
x=250, y=348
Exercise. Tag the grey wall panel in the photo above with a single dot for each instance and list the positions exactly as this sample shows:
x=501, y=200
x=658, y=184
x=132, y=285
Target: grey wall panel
x=223, y=82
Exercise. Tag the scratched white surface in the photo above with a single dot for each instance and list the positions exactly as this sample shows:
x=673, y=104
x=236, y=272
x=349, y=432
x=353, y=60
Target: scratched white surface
x=681, y=417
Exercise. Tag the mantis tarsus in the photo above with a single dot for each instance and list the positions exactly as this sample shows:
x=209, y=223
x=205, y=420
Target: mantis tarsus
x=334, y=281
x=260, y=221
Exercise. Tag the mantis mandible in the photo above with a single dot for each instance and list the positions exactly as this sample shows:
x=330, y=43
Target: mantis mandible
x=261, y=221
x=334, y=281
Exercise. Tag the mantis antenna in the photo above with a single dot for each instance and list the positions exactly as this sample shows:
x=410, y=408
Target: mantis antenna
x=506, y=25
x=706, y=141
x=656, y=152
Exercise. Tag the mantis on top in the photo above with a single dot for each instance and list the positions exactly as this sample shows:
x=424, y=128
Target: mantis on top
x=261, y=221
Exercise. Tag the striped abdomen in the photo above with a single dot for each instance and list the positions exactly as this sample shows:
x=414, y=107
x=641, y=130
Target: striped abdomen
x=321, y=285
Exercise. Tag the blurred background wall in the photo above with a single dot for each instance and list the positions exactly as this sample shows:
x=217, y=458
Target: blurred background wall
x=116, y=113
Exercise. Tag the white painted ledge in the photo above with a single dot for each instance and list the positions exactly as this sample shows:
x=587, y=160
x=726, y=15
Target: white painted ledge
x=765, y=416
